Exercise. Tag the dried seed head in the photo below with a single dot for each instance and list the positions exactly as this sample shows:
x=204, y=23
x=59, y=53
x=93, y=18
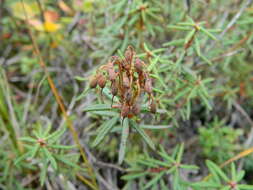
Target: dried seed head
x=153, y=107
x=101, y=81
x=148, y=86
x=124, y=111
x=138, y=65
x=136, y=109
x=93, y=82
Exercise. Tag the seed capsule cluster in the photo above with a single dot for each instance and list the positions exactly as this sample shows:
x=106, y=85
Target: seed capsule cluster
x=129, y=79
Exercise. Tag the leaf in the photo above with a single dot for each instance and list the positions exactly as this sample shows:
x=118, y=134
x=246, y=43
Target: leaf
x=153, y=63
x=104, y=129
x=180, y=153
x=144, y=135
x=28, y=139
x=18, y=10
x=51, y=26
x=97, y=107
x=56, y=135
x=155, y=126
x=124, y=136
x=208, y=33
x=63, y=146
x=21, y=158
x=189, y=167
x=43, y=173
x=50, y=158
x=205, y=184
x=197, y=46
x=133, y=176
x=154, y=180
x=246, y=187
x=66, y=161
x=240, y=176
x=216, y=168
x=34, y=150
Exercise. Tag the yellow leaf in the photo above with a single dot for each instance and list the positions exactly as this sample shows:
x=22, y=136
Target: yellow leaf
x=51, y=27
x=18, y=10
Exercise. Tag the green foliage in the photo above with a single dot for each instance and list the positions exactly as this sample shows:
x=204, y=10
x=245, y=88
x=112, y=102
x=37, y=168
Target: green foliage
x=218, y=140
x=198, y=55
x=43, y=147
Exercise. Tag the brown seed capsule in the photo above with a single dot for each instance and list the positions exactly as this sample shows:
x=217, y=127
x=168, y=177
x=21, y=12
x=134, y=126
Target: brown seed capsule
x=129, y=54
x=114, y=89
x=101, y=81
x=124, y=111
x=93, y=82
x=148, y=85
x=138, y=65
x=136, y=109
x=153, y=107
x=112, y=74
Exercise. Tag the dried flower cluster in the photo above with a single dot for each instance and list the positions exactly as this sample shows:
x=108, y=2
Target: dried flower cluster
x=129, y=79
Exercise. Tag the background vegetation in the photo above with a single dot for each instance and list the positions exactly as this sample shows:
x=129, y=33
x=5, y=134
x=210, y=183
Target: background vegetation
x=58, y=133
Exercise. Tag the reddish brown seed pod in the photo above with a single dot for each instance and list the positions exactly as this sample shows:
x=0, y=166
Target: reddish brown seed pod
x=124, y=111
x=136, y=109
x=153, y=107
x=101, y=81
x=114, y=89
x=148, y=86
x=112, y=74
x=138, y=65
x=129, y=54
x=93, y=82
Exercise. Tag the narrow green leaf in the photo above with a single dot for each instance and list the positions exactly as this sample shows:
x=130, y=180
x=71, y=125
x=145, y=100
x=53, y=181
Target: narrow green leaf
x=97, y=107
x=240, y=176
x=189, y=167
x=104, y=130
x=124, y=136
x=208, y=33
x=156, y=126
x=154, y=180
x=28, y=139
x=133, y=176
x=21, y=158
x=245, y=187
x=62, y=146
x=216, y=168
x=144, y=135
x=180, y=153
x=50, y=158
x=197, y=46
x=34, y=150
x=179, y=28
x=43, y=173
